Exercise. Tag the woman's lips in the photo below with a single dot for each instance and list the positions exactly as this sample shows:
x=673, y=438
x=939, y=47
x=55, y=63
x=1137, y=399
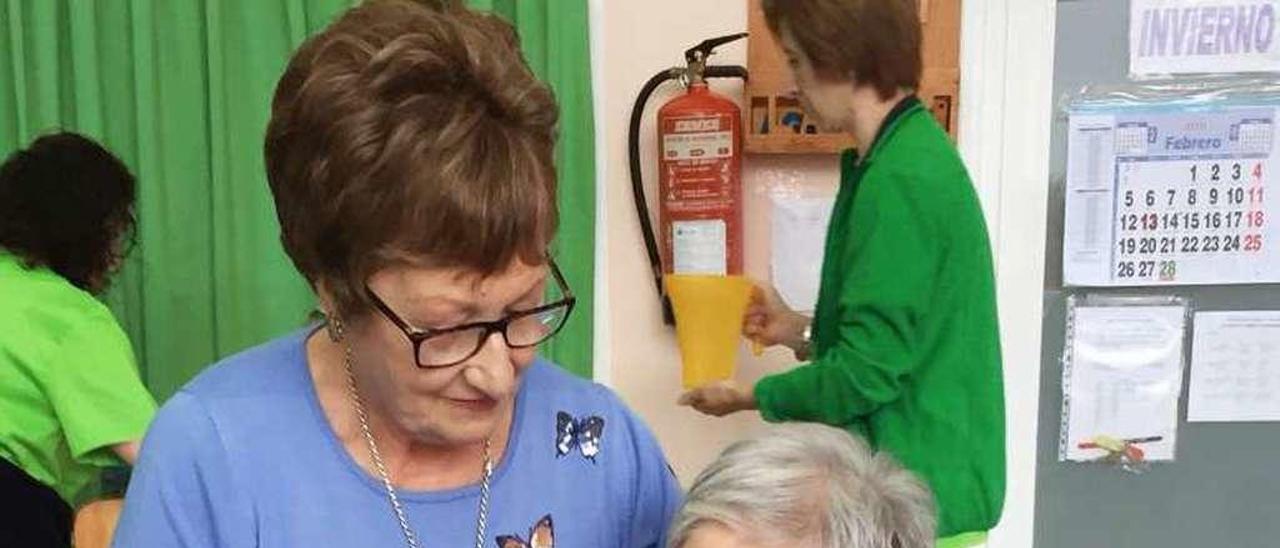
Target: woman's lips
x=477, y=405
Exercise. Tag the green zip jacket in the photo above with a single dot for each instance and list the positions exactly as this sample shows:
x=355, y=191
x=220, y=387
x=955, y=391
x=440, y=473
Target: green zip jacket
x=905, y=339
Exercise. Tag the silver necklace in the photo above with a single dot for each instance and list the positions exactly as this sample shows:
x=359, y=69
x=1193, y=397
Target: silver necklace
x=411, y=539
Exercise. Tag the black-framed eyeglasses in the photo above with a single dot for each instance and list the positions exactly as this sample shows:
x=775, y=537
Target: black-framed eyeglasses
x=438, y=348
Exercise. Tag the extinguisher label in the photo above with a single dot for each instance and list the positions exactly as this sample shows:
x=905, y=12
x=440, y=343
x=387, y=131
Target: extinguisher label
x=700, y=246
x=695, y=125
x=700, y=206
x=698, y=146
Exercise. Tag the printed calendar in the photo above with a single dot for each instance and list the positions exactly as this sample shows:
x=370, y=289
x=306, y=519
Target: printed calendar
x=1171, y=197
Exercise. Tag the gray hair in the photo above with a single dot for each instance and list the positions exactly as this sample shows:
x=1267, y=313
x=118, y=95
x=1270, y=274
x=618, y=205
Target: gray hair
x=810, y=485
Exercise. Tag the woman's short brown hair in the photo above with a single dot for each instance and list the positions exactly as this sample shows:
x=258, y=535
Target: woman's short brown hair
x=411, y=132
x=877, y=42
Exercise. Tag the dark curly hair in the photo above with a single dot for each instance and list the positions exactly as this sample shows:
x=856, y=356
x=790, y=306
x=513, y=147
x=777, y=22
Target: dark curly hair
x=66, y=203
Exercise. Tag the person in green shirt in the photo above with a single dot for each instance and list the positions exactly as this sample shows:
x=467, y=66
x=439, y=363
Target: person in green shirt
x=904, y=345
x=71, y=401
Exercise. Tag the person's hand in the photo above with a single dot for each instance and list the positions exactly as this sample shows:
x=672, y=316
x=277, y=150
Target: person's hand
x=719, y=398
x=769, y=321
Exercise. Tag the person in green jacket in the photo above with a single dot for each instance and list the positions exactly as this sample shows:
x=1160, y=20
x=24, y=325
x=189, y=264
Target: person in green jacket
x=71, y=400
x=904, y=346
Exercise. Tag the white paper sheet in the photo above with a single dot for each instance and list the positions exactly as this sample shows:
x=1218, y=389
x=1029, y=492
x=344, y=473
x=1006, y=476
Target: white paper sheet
x=799, y=234
x=1235, y=367
x=1124, y=378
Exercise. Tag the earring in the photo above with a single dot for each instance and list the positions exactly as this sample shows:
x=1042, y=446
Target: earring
x=333, y=325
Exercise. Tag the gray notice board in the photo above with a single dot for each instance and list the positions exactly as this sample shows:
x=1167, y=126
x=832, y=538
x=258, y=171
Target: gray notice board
x=1224, y=489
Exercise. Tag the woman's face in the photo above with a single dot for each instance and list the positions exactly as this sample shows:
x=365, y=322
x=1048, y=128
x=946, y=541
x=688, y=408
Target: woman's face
x=828, y=100
x=459, y=404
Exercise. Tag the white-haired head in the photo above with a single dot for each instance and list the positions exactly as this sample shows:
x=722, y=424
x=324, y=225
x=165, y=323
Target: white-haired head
x=808, y=485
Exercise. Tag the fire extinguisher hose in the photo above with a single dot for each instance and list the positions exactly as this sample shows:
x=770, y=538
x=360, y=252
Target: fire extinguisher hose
x=637, y=185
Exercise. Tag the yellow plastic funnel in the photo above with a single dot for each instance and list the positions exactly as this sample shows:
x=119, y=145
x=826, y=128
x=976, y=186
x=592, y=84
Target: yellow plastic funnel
x=709, y=312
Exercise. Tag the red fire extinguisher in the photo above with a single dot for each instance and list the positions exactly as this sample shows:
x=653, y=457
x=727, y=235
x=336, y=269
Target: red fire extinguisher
x=700, y=170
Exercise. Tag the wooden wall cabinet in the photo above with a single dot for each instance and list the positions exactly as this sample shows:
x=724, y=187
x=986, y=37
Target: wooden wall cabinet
x=775, y=122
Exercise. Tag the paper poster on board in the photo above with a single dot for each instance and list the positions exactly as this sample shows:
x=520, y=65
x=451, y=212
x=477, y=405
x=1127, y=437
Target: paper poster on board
x=1122, y=377
x=1172, y=195
x=1235, y=367
x=1172, y=37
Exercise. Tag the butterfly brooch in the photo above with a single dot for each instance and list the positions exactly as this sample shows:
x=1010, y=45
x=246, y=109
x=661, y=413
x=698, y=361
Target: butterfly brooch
x=542, y=535
x=583, y=433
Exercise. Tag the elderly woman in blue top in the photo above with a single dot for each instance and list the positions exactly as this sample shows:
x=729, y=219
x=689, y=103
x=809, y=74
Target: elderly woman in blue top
x=410, y=156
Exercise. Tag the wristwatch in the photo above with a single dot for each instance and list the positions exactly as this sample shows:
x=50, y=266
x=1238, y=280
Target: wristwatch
x=806, y=344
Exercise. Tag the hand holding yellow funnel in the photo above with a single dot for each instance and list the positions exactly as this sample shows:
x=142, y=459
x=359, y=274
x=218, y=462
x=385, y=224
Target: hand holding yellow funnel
x=709, y=312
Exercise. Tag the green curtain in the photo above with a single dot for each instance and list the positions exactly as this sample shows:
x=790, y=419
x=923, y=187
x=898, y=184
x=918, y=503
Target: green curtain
x=181, y=89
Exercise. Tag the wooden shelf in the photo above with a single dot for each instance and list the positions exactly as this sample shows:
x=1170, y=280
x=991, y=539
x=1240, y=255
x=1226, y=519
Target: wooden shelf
x=769, y=91
x=783, y=143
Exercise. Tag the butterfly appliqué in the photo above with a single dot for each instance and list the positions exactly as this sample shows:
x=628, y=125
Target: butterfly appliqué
x=583, y=433
x=542, y=535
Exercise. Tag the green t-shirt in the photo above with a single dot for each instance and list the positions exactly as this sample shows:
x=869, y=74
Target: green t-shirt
x=69, y=386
